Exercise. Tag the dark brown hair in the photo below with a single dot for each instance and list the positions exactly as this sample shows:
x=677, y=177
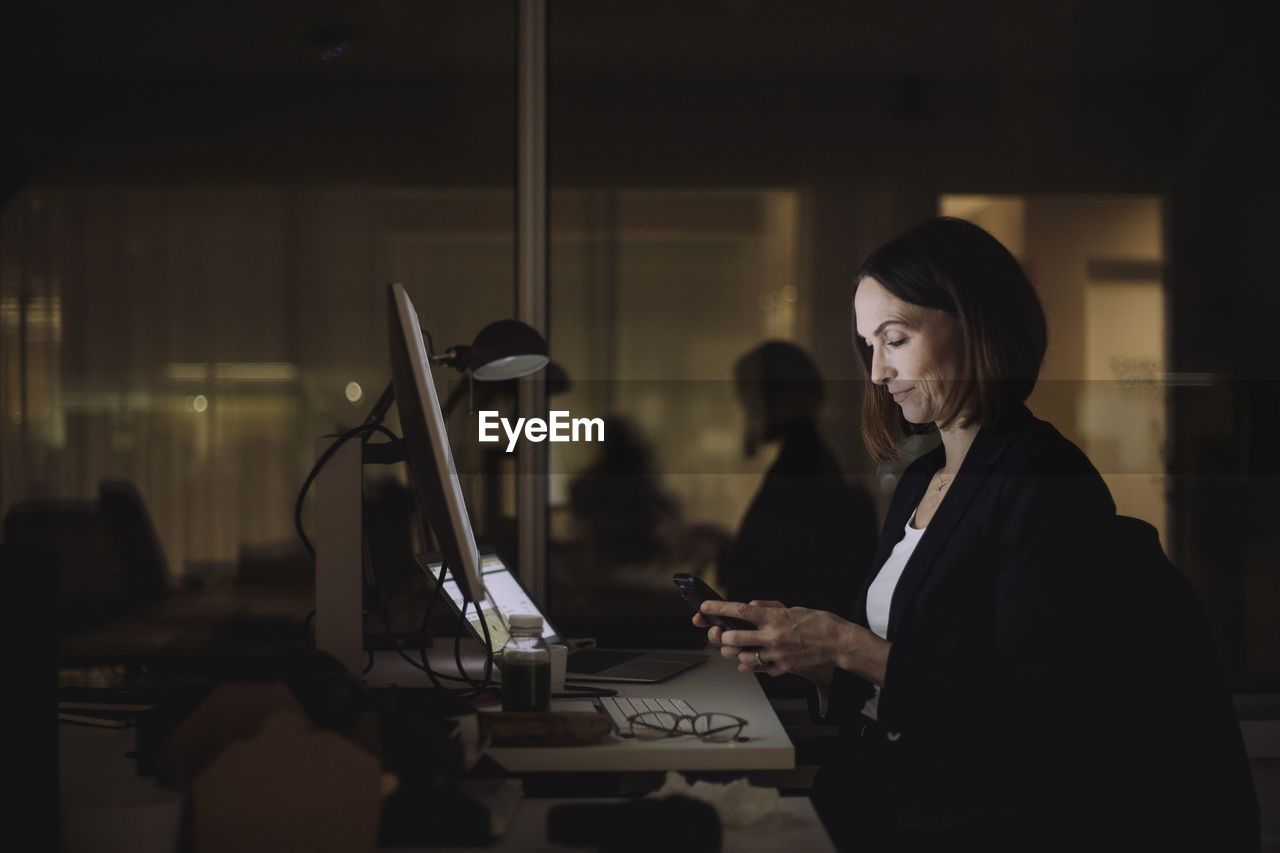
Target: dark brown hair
x=955, y=266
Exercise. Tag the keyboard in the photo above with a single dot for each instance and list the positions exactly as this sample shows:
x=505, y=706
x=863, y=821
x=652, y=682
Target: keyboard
x=619, y=708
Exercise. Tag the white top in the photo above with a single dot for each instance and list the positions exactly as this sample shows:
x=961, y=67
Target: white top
x=880, y=594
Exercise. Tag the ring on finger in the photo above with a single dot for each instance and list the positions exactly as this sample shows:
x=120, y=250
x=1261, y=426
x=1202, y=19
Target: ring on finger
x=760, y=660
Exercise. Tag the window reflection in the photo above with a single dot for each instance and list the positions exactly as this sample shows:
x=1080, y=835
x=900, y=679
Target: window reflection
x=195, y=341
x=655, y=295
x=1097, y=263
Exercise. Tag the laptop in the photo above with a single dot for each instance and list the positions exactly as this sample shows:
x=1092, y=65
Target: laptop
x=505, y=597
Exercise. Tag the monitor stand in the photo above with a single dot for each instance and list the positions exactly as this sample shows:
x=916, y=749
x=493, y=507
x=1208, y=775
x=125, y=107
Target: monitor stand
x=339, y=504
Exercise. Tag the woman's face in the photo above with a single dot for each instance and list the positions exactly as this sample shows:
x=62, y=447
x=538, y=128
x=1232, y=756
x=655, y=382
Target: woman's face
x=915, y=351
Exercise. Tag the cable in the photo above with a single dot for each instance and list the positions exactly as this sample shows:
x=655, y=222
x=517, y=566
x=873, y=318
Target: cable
x=386, y=617
x=361, y=430
x=486, y=684
x=474, y=688
x=422, y=634
x=488, y=650
x=478, y=689
x=380, y=407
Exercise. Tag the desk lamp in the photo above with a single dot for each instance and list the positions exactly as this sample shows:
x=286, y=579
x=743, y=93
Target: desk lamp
x=504, y=349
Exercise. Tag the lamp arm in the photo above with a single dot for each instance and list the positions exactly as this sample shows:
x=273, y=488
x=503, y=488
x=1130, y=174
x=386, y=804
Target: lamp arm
x=455, y=357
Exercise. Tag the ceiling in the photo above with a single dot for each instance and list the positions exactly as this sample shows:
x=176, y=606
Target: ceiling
x=381, y=39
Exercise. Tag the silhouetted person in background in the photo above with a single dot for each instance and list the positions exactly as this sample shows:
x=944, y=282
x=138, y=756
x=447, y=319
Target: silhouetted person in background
x=620, y=502
x=808, y=537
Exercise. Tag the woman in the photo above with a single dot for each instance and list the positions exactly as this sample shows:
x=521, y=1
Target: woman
x=965, y=681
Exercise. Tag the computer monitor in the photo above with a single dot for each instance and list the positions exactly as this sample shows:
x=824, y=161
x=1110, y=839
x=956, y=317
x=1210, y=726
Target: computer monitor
x=431, y=465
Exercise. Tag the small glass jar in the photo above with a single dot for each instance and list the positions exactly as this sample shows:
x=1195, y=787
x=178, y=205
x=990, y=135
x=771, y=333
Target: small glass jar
x=526, y=667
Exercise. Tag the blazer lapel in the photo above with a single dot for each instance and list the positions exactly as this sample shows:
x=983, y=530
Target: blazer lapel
x=971, y=479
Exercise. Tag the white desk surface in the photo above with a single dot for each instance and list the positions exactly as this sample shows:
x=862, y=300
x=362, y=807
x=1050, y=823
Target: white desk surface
x=712, y=686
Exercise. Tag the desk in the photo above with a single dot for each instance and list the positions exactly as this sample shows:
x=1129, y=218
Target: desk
x=713, y=686
x=106, y=806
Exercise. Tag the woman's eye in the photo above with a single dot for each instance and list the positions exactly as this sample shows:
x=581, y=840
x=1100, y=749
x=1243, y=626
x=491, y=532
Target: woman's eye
x=899, y=342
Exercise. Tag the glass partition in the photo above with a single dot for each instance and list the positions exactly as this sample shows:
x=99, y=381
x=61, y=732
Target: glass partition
x=193, y=275
x=1098, y=265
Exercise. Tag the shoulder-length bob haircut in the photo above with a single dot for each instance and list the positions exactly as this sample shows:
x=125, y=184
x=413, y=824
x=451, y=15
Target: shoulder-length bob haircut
x=957, y=267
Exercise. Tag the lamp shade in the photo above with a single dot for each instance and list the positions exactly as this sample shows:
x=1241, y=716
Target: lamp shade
x=506, y=349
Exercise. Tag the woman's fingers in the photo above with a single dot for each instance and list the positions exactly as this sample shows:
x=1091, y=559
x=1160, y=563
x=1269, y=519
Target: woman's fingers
x=736, y=609
x=744, y=639
x=715, y=633
x=789, y=638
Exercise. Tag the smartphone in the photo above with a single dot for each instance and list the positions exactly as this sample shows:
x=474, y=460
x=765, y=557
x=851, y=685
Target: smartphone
x=694, y=592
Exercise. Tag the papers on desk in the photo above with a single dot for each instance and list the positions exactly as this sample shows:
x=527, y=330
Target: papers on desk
x=499, y=797
x=738, y=803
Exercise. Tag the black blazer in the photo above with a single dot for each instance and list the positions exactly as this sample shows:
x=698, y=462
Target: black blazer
x=981, y=679
x=1004, y=689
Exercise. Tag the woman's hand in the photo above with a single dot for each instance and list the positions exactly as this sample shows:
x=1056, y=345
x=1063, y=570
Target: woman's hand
x=716, y=634
x=796, y=639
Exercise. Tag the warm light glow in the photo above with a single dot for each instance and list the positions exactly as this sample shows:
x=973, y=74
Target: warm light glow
x=232, y=371
x=41, y=316
x=187, y=372
x=790, y=293
x=199, y=403
x=354, y=392
x=266, y=371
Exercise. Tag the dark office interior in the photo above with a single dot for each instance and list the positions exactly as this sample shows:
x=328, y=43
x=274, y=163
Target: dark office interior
x=204, y=203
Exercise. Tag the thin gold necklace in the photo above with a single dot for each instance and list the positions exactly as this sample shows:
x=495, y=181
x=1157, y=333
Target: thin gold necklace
x=942, y=484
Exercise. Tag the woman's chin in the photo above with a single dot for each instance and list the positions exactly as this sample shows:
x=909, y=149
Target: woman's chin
x=912, y=415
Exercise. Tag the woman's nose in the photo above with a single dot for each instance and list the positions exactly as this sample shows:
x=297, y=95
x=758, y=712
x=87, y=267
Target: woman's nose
x=880, y=371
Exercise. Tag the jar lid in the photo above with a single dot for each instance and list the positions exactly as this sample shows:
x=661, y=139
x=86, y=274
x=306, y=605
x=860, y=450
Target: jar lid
x=526, y=621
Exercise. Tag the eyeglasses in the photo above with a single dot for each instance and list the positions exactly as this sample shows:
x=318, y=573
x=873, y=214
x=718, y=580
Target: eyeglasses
x=711, y=726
